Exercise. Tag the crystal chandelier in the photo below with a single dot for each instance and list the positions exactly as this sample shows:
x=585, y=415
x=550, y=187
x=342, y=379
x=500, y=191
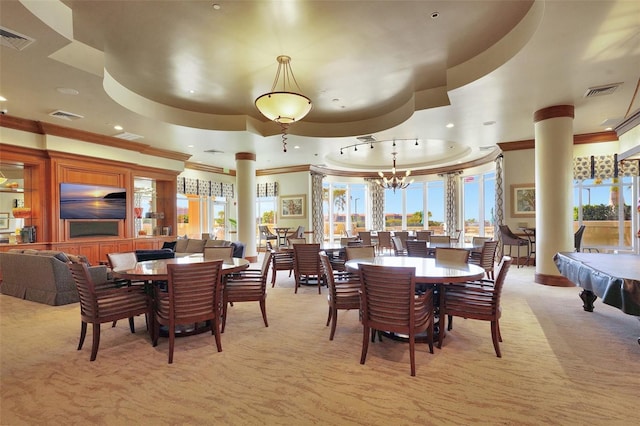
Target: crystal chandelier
x=284, y=106
x=394, y=181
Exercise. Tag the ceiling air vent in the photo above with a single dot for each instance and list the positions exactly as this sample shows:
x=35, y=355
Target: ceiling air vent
x=128, y=136
x=601, y=90
x=367, y=138
x=64, y=115
x=14, y=39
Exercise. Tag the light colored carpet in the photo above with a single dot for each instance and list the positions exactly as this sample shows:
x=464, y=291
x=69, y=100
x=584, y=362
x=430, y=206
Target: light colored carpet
x=560, y=365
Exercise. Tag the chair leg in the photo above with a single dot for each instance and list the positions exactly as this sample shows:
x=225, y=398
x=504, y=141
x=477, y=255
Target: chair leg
x=113, y=324
x=263, y=309
x=83, y=333
x=450, y=323
x=96, y=341
x=365, y=344
x=224, y=315
x=495, y=333
x=132, y=326
x=334, y=322
x=172, y=341
x=430, y=331
x=215, y=330
x=329, y=316
x=412, y=353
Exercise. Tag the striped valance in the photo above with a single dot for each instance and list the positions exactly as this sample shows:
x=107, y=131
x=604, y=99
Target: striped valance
x=205, y=188
x=602, y=167
x=269, y=189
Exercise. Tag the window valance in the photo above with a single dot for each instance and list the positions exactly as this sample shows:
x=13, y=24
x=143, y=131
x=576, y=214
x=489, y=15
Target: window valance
x=205, y=188
x=602, y=167
x=269, y=189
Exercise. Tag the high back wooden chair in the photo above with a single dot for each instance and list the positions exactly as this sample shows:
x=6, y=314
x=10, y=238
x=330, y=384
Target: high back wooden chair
x=398, y=248
x=452, y=255
x=388, y=302
x=249, y=285
x=280, y=261
x=384, y=241
x=104, y=302
x=486, y=258
x=306, y=264
x=440, y=241
x=194, y=294
x=477, y=300
x=365, y=237
x=417, y=248
x=403, y=235
x=214, y=253
x=344, y=291
x=423, y=235
x=362, y=252
x=510, y=239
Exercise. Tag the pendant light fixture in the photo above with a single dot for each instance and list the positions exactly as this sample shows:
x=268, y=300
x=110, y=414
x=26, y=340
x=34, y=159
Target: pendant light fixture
x=282, y=104
x=394, y=181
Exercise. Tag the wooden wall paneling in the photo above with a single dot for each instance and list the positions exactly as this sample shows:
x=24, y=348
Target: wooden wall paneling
x=115, y=247
x=147, y=244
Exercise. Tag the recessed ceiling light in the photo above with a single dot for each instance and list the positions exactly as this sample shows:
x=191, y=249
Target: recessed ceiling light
x=67, y=91
x=216, y=6
x=2, y=99
x=489, y=123
x=189, y=146
x=296, y=147
x=450, y=125
x=609, y=129
x=435, y=15
x=191, y=92
x=118, y=127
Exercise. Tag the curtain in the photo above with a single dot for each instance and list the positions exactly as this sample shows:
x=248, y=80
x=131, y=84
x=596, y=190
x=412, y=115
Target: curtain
x=269, y=189
x=190, y=186
x=376, y=199
x=499, y=207
x=602, y=167
x=317, y=216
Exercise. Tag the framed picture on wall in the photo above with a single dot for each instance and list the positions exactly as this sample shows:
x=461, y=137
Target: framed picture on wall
x=4, y=220
x=523, y=200
x=292, y=206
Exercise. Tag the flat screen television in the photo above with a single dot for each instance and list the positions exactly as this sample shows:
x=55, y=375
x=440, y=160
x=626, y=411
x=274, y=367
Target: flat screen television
x=92, y=202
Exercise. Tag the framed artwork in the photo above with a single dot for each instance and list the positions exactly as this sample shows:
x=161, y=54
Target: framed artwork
x=292, y=206
x=523, y=200
x=4, y=220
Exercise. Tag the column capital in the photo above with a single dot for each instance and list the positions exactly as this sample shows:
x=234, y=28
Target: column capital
x=553, y=112
x=245, y=156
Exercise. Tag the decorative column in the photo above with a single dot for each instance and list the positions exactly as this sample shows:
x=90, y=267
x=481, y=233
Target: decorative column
x=246, y=183
x=317, y=217
x=553, y=183
x=451, y=196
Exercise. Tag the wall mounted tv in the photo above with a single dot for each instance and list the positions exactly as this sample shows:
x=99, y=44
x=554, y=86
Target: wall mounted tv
x=92, y=202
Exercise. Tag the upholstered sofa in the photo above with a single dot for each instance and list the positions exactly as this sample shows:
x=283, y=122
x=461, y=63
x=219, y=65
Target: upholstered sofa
x=188, y=246
x=42, y=276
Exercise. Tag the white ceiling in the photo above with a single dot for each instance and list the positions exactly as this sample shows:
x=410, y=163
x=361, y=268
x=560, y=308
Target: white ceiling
x=381, y=68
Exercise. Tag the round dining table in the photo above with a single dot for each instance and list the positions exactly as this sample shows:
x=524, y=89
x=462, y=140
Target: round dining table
x=156, y=270
x=428, y=271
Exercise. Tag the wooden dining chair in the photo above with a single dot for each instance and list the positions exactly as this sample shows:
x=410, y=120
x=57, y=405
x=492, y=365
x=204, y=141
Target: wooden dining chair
x=344, y=291
x=194, y=294
x=486, y=258
x=510, y=239
x=248, y=285
x=365, y=237
x=266, y=235
x=214, y=253
x=306, y=264
x=477, y=300
x=398, y=248
x=417, y=248
x=452, y=255
x=362, y=252
x=389, y=302
x=423, y=235
x=293, y=241
x=440, y=240
x=106, y=302
x=403, y=235
x=281, y=260
x=384, y=241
